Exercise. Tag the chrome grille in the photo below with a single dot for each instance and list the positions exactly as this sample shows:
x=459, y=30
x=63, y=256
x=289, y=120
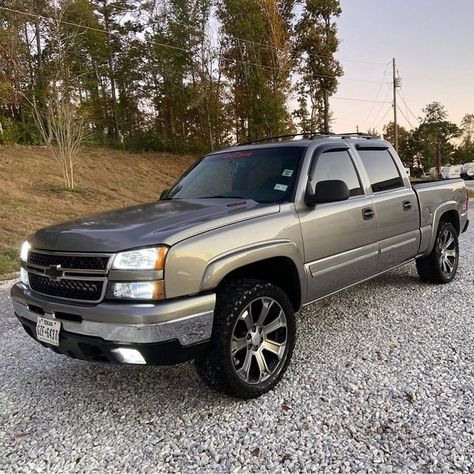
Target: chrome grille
x=83, y=290
x=74, y=276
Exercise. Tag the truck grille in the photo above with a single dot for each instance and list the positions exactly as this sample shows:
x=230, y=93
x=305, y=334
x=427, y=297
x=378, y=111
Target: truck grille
x=74, y=277
x=84, y=290
x=68, y=261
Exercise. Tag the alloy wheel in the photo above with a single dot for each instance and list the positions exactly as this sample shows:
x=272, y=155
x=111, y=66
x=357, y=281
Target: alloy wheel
x=259, y=340
x=447, y=252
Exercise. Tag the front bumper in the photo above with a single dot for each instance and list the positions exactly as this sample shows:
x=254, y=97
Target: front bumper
x=165, y=332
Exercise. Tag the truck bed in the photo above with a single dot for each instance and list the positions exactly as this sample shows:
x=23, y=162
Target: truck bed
x=432, y=194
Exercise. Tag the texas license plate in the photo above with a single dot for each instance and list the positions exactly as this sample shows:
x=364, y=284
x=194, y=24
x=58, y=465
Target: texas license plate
x=48, y=330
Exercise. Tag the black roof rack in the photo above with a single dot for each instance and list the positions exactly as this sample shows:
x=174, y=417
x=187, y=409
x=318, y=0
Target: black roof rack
x=312, y=136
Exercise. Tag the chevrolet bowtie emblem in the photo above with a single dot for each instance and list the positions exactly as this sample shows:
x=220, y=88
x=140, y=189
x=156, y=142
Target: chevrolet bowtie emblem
x=54, y=272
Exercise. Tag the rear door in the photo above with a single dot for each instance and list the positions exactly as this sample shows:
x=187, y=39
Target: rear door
x=396, y=206
x=340, y=238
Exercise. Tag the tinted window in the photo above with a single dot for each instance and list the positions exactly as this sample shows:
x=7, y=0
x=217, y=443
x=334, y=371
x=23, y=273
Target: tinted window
x=261, y=174
x=382, y=171
x=337, y=165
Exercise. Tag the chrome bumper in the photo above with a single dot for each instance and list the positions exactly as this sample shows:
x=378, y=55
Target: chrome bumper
x=188, y=320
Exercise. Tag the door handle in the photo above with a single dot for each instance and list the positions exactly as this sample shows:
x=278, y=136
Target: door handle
x=406, y=205
x=368, y=213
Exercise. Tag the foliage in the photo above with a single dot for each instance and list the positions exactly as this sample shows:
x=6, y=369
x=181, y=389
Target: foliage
x=464, y=153
x=435, y=136
x=316, y=43
x=177, y=75
x=406, y=145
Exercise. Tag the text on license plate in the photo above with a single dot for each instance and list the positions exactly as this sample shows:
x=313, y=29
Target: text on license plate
x=48, y=330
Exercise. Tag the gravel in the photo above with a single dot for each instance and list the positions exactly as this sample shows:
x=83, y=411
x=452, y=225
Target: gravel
x=382, y=380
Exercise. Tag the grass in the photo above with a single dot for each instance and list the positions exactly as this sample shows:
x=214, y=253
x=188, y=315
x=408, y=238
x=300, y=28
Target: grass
x=8, y=263
x=32, y=193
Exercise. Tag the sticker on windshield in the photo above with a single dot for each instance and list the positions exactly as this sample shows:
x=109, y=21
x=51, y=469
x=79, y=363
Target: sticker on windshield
x=280, y=187
x=287, y=173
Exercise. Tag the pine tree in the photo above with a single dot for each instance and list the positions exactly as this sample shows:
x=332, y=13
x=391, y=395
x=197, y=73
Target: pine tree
x=316, y=43
x=256, y=61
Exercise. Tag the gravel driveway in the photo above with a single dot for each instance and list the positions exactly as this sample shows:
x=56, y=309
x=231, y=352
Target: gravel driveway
x=382, y=379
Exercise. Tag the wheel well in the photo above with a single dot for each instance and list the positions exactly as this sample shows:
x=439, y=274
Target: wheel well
x=453, y=218
x=280, y=271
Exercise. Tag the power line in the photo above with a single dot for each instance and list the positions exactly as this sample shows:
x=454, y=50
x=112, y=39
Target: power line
x=408, y=108
x=177, y=48
x=355, y=99
x=380, y=110
x=405, y=117
x=383, y=118
x=382, y=82
x=267, y=45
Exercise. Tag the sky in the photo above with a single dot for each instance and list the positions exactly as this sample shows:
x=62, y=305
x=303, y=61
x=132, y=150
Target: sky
x=433, y=43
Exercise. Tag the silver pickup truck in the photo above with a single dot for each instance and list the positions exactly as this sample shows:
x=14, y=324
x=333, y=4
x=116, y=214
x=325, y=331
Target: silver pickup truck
x=216, y=270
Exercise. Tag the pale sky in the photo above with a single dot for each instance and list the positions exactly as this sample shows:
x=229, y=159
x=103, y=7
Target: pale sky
x=433, y=43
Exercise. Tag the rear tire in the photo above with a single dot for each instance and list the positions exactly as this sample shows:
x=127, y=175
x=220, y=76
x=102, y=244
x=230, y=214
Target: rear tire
x=441, y=265
x=252, y=339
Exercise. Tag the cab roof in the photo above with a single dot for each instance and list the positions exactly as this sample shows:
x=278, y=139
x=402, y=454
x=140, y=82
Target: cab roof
x=289, y=140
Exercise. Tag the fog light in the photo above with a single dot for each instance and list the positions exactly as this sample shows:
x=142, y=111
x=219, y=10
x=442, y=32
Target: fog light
x=129, y=356
x=139, y=290
x=24, y=277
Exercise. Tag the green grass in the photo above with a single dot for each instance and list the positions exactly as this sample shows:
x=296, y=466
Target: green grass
x=8, y=263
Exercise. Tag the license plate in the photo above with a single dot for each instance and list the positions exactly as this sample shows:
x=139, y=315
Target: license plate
x=48, y=330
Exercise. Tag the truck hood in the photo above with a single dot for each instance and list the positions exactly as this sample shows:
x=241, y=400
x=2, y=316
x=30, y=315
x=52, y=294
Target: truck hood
x=162, y=222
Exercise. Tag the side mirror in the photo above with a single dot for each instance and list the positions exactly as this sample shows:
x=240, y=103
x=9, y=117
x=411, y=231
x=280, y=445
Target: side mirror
x=332, y=190
x=164, y=194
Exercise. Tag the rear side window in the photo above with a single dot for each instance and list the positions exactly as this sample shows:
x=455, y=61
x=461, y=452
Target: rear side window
x=337, y=165
x=382, y=171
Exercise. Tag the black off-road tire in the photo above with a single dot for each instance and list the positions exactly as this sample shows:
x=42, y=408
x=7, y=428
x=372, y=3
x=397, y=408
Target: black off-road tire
x=429, y=267
x=216, y=367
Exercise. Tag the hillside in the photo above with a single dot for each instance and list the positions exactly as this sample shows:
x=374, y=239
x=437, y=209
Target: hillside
x=32, y=195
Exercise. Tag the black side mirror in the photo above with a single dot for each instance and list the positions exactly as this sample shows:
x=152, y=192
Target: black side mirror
x=164, y=194
x=328, y=191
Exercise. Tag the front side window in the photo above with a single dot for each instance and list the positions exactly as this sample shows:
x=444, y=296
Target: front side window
x=338, y=165
x=262, y=174
x=382, y=171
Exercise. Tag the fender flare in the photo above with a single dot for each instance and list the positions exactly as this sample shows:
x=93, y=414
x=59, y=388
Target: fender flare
x=439, y=211
x=219, y=267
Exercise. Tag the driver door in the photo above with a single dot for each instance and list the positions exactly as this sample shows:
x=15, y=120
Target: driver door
x=340, y=238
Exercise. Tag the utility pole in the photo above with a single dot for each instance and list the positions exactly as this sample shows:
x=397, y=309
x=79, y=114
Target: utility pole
x=395, y=83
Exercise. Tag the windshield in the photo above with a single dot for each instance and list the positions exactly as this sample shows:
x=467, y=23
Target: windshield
x=263, y=174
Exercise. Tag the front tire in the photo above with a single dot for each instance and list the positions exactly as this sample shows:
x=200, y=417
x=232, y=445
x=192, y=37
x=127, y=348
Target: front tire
x=441, y=265
x=252, y=339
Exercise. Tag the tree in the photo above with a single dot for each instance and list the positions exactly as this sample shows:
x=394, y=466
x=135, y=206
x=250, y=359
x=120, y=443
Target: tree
x=61, y=128
x=465, y=151
x=434, y=136
x=405, y=143
x=316, y=43
x=256, y=61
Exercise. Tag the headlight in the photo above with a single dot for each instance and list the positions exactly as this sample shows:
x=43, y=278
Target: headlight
x=141, y=259
x=139, y=290
x=25, y=249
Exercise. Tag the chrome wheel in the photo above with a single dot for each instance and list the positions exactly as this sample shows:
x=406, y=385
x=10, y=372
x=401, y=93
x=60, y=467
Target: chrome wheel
x=448, y=254
x=259, y=340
